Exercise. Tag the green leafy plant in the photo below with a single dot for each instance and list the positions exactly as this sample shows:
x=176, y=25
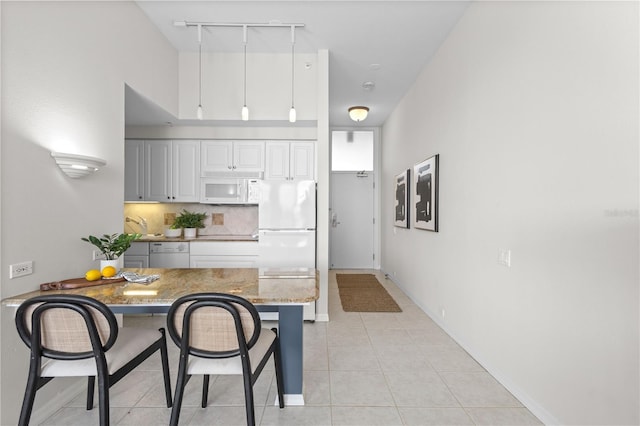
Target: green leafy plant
x=112, y=246
x=187, y=219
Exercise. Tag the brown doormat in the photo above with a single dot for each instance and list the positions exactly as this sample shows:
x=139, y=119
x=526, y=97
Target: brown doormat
x=364, y=293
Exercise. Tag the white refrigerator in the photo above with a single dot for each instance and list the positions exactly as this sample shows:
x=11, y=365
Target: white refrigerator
x=287, y=228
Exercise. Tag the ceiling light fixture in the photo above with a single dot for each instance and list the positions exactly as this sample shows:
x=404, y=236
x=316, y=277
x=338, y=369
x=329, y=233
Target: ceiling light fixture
x=358, y=113
x=245, y=111
x=77, y=166
x=292, y=111
x=199, y=110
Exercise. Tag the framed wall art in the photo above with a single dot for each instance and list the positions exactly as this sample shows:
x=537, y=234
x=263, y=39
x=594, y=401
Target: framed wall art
x=401, y=203
x=425, y=194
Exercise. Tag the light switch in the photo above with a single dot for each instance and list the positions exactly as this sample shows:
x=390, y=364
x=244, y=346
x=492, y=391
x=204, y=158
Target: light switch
x=504, y=257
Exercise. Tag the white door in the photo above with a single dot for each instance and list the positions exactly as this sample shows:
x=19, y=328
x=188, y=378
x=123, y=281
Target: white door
x=352, y=220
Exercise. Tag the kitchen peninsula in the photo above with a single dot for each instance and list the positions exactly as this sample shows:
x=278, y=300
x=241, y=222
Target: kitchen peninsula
x=284, y=291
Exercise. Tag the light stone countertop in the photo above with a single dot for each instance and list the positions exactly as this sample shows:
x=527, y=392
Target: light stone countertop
x=272, y=286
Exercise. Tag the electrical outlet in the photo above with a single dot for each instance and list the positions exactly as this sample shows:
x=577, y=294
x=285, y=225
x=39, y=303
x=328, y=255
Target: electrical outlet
x=21, y=269
x=97, y=255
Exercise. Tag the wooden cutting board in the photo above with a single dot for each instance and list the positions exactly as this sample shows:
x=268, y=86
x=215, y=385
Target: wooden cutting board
x=77, y=283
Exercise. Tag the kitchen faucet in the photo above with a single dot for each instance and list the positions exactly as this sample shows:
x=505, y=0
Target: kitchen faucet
x=142, y=223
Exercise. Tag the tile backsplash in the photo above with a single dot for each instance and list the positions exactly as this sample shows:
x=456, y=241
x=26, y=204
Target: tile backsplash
x=220, y=220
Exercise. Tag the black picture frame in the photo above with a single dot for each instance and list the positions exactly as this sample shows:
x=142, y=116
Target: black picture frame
x=401, y=206
x=425, y=194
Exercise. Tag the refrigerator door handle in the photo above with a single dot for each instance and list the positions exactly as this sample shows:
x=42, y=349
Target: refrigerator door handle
x=281, y=231
x=334, y=220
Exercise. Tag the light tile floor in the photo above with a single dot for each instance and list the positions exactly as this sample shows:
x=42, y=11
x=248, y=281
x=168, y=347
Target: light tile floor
x=359, y=369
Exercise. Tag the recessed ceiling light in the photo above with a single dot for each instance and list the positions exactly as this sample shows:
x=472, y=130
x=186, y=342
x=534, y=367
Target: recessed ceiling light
x=374, y=67
x=368, y=85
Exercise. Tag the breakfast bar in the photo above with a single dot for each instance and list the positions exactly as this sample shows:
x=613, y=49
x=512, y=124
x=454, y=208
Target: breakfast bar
x=284, y=291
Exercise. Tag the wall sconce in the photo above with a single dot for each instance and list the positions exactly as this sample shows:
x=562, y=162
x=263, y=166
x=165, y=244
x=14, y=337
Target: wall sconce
x=358, y=113
x=76, y=166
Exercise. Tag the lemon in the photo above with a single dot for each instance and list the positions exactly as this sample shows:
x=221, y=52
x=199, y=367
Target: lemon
x=108, y=271
x=92, y=275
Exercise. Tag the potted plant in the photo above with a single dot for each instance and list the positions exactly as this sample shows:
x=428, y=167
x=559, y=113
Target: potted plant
x=173, y=231
x=111, y=246
x=190, y=221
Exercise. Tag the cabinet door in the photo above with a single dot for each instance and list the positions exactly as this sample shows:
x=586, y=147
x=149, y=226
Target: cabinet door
x=136, y=262
x=158, y=170
x=302, y=161
x=185, y=171
x=248, y=156
x=134, y=170
x=277, y=161
x=216, y=156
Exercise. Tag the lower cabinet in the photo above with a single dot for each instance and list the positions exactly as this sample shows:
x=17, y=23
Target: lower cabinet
x=223, y=254
x=137, y=256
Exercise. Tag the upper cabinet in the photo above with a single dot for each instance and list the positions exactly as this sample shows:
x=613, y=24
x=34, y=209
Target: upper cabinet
x=185, y=171
x=134, y=170
x=231, y=156
x=290, y=161
x=162, y=170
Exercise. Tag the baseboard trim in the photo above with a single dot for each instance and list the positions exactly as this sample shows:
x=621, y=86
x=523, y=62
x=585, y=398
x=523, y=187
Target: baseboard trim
x=531, y=404
x=291, y=399
x=322, y=317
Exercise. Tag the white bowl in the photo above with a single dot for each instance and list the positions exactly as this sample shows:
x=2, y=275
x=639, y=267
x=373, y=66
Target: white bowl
x=172, y=233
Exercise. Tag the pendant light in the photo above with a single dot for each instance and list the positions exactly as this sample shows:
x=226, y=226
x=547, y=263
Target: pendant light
x=292, y=111
x=199, y=110
x=245, y=111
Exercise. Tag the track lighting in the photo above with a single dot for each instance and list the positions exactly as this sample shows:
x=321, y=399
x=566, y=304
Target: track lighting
x=244, y=114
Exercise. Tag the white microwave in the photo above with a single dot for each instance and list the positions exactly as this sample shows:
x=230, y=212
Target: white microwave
x=229, y=191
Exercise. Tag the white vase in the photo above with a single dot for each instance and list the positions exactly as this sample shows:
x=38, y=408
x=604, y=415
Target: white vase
x=116, y=263
x=190, y=232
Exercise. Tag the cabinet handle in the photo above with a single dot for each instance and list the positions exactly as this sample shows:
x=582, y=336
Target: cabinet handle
x=234, y=167
x=229, y=167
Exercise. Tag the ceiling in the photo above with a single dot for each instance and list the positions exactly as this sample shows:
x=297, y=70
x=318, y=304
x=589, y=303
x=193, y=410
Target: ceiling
x=384, y=42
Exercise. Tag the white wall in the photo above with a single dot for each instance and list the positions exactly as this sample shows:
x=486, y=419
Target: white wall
x=533, y=108
x=64, y=67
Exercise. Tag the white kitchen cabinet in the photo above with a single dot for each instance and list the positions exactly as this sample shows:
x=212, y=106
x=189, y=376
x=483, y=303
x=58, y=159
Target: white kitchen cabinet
x=185, y=171
x=223, y=254
x=167, y=171
x=157, y=170
x=231, y=156
x=134, y=170
x=290, y=161
x=137, y=256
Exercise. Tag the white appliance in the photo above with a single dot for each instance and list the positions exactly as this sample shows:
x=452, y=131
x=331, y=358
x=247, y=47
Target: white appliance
x=174, y=254
x=287, y=227
x=229, y=190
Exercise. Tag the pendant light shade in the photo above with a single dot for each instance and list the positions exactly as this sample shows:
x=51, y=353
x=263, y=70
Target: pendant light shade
x=199, y=110
x=292, y=111
x=244, y=114
x=358, y=113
